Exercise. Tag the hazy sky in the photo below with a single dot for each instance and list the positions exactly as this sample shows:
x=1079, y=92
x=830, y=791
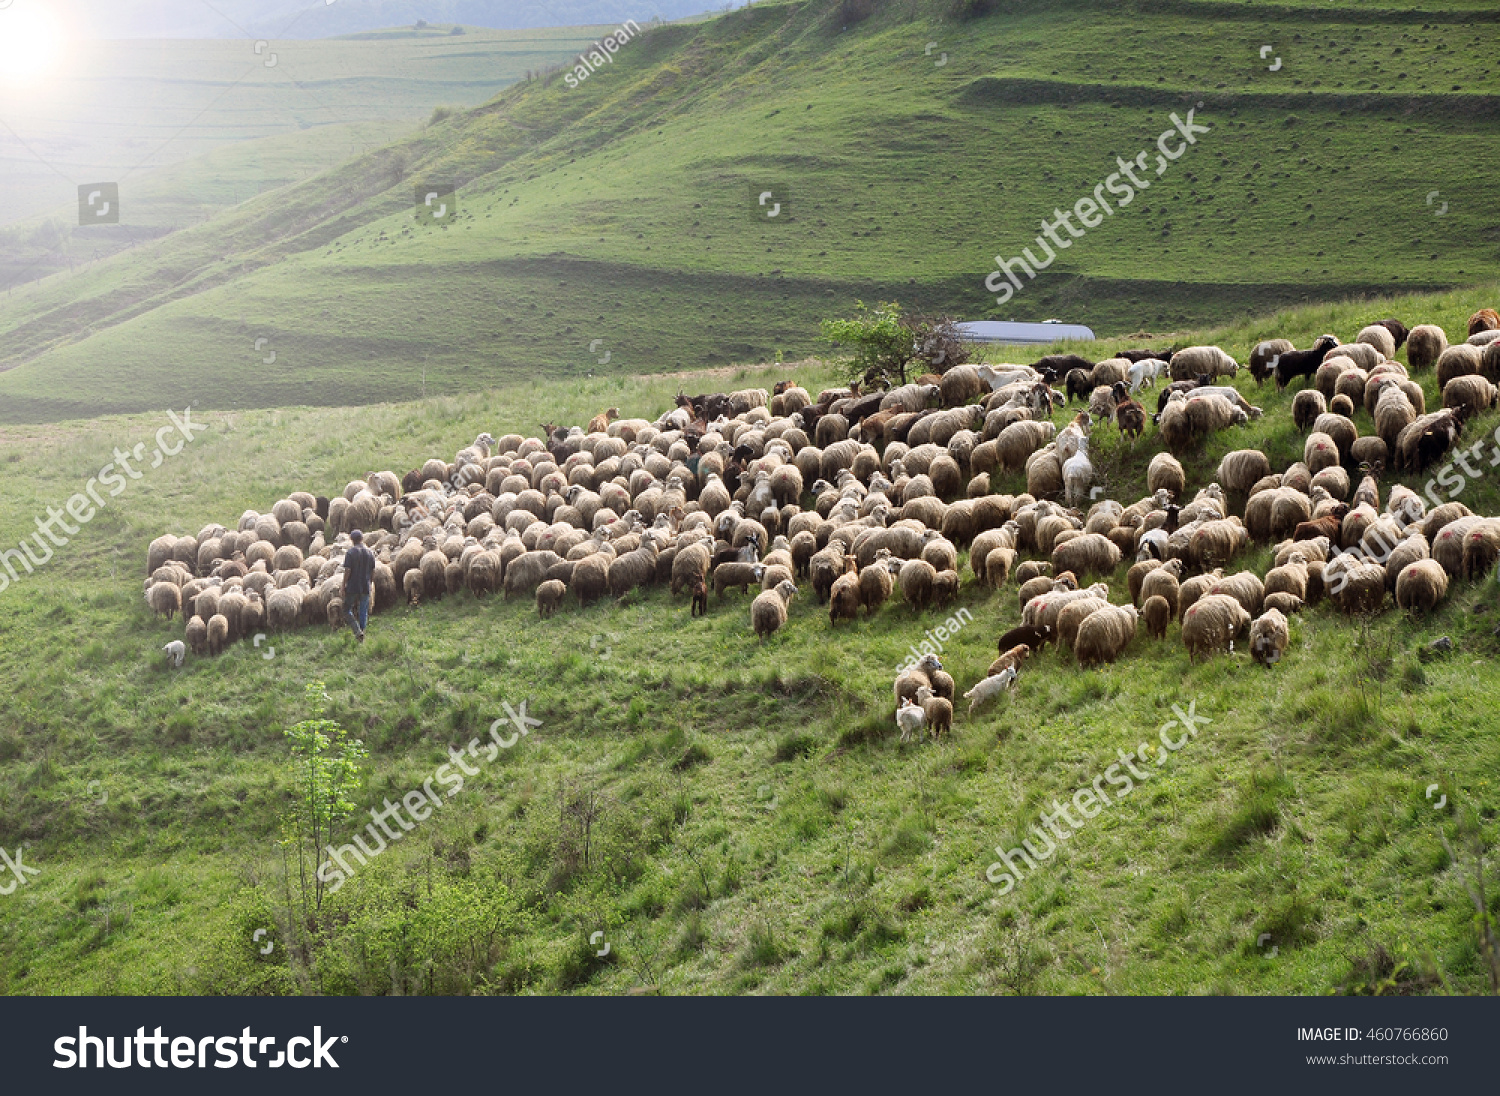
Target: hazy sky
x=323, y=18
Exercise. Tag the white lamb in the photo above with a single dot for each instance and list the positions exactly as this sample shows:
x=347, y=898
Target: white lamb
x=176, y=651
x=910, y=718
x=1012, y=374
x=1078, y=474
x=1144, y=373
x=989, y=688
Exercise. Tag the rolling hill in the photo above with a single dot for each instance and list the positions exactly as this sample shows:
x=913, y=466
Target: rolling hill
x=914, y=143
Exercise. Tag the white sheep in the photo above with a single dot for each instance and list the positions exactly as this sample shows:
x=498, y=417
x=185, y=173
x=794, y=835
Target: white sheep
x=176, y=651
x=1078, y=474
x=989, y=688
x=1144, y=373
x=911, y=718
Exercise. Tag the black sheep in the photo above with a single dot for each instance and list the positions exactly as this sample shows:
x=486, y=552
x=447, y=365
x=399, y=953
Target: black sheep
x=1133, y=356
x=1034, y=636
x=1302, y=363
x=1078, y=383
x=1397, y=329
x=1059, y=364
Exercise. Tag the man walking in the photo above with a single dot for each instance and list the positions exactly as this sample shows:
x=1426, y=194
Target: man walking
x=359, y=579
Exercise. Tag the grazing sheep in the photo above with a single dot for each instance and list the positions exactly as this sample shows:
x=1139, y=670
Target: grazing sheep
x=165, y=599
x=988, y=688
x=1269, y=633
x=1241, y=469
x=1264, y=355
x=218, y=633
x=1211, y=624
x=909, y=680
x=844, y=598
x=1355, y=586
x=1078, y=474
x=1421, y=586
x=768, y=610
x=549, y=595
x=1425, y=345
x=1319, y=452
x=1471, y=392
x=1486, y=319
x=1380, y=338
x=1246, y=588
x=1087, y=554
x=1292, y=364
x=917, y=578
x=197, y=635
x=1072, y=616
x=412, y=584
x=1163, y=582
x=911, y=717
x=1284, y=603
x=1104, y=635
x=1458, y=361
x=176, y=651
x=938, y=712
x=1307, y=405
x=1192, y=361
x=1157, y=615
x=736, y=574
x=1164, y=473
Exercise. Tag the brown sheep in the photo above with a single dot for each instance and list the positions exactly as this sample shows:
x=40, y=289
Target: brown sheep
x=1486, y=319
x=844, y=598
x=1104, y=635
x=1157, y=615
x=600, y=423
x=769, y=610
x=939, y=712
x=1211, y=624
x=549, y=595
x=1012, y=658
x=1421, y=586
x=1269, y=636
x=917, y=578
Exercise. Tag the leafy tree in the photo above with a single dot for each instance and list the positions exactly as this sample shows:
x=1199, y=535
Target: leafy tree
x=885, y=344
x=326, y=770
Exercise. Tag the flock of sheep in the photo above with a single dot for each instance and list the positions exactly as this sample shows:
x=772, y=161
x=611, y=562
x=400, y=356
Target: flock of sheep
x=871, y=495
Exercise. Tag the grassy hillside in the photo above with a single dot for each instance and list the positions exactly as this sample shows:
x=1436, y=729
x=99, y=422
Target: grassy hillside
x=624, y=209
x=753, y=825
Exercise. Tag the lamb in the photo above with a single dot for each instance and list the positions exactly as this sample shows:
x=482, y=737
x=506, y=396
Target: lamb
x=1211, y=624
x=1105, y=634
x=549, y=595
x=1157, y=615
x=910, y=718
x=1163, y=582
x=1269, y=634
x=736, y=574
x=938, y=712
x=1425, y=345
x=176, y=651
x=1165, y=473
x=700, y=598
x=1421, y=586
x=413, y=585
x=768, y=610
x=218, y=633
x=988, y=688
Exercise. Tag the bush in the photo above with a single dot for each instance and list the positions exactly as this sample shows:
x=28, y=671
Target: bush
x=886, y=344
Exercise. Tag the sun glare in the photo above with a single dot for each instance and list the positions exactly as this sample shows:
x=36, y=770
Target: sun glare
x=31, y=41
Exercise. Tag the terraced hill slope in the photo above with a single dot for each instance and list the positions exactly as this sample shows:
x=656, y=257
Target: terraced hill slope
x=912, y=147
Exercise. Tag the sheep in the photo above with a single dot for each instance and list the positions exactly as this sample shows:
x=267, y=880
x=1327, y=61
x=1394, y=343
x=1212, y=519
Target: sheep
x=176, y=651
x=483, y=574
x=1421, y=585
x=844, y=599
x=1481, y=547
x=1472, y=392
x=1045, y=609
x=768, y=610
x=1087, y=554
x=1164, y=473
x=1355, y=586
x=1458, y=361
x=1425, y=345
x=590, y=580
x=938, y=712
x=1194, y=588
x=1393, y=413
x=1034, y=638
x=876, y=582
x=413, y=585
x=165, y=599
x=909, y=680
x=1104, y=635
x=1020, y=440
x=1319, y=452
x=910, y=717
x=736, y=574
x=1192, y=361
x=1078, y=474
x=1013, y=658
x=1288, y=578
x=1240, y=469
x=1157, y=615
x=549, y=595
x=700, y=598
x=1486, y=319
x=989, y=687
x=1269, y=634
x=1291, y=364
x=1264, y=355
x=197, y=635
x=1073, y=614
x=1163, y=582
x=1211, y=624
x=1380, y=337
x=218, y=633
x=1216, y=541
x=917, y=577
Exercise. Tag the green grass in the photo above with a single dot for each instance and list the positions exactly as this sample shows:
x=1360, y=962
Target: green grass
x=761, y=830
x=621, y=210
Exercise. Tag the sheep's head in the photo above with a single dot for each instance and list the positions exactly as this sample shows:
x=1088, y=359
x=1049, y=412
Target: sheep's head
x=929, y=663
x=786, y=588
